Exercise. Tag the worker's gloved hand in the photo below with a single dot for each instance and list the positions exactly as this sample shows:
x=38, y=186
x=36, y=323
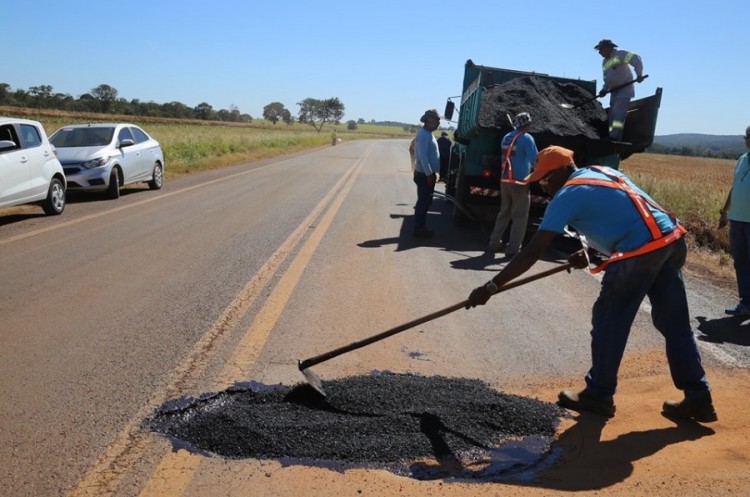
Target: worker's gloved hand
x=579, y=259
x=478, y=296
x=640, y=79
x=602, y=92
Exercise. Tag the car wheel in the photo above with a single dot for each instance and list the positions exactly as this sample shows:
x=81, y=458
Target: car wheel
x=114, y=185
x=157, y=177
x=54, y=204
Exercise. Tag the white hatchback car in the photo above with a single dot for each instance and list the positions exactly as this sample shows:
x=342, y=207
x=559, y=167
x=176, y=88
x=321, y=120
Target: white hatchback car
x=29, y=169
x=107, y=156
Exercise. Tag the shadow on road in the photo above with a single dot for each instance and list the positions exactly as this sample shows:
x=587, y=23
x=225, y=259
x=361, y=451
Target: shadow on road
x=463, y=241
x=26, y=212
x=729, y=329
x=588, y=463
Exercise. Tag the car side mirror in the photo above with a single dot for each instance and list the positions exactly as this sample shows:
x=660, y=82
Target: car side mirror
x=6, y=145
x=127, y=142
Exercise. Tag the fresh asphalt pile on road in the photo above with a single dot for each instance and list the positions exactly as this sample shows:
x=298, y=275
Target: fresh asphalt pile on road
x=412, y=425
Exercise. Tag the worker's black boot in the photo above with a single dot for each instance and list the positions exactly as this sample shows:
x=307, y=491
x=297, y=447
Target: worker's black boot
x=699, y=409
x=587, y=401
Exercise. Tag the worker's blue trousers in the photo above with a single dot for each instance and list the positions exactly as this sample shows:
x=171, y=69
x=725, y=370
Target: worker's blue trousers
x=658, y=275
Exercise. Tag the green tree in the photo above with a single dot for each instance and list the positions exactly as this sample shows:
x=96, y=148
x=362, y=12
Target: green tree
x=351, y=125
x=274, y=112
x=4, y=93
x=106, y=95
x=40, y=95
x=318, y=112
x=177, y=110
x=204, y=111
x=287, y=117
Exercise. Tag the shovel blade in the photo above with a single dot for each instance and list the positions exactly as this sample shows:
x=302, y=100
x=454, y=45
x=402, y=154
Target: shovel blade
x=314, y=380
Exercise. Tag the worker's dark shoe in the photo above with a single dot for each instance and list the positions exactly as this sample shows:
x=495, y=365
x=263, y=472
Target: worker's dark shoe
x=701, y=409
x=586, y=401
x=738, y=310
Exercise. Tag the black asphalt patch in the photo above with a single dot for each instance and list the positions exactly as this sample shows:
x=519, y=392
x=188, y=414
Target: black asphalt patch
x=424, y=427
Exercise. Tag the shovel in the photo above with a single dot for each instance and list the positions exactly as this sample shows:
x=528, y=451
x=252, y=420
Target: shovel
x=314, y=380
x=571, y=106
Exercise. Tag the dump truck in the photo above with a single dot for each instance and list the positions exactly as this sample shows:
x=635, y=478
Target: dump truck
x=564, y=112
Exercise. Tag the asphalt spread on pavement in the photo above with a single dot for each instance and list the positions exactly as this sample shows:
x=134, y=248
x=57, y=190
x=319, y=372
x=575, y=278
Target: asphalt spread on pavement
x=423, y=427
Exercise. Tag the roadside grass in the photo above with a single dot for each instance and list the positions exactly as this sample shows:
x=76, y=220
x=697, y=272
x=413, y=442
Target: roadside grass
x=192, y=145
x=694, y=189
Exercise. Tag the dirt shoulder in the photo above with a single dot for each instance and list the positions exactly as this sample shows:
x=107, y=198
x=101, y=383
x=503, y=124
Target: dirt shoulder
x=636, y=453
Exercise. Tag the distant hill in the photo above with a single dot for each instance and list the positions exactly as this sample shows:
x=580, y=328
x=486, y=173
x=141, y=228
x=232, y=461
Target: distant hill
x=697, y=144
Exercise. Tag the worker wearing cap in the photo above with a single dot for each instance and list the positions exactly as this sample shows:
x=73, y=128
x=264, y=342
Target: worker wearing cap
x=616, y=72
x=426, y=168
x=519, y=154
x=646, y=252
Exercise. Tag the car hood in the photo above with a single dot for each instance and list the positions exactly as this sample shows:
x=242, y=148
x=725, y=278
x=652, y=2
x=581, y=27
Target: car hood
x=81, y=154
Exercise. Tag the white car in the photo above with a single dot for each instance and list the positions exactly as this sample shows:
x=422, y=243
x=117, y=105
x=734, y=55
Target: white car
x=107, y=156
x=29, y=169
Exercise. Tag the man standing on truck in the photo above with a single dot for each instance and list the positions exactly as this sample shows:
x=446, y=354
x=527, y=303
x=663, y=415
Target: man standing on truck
x=646, y=251
x=616, y=73
x=519, y=155
x=426, y=168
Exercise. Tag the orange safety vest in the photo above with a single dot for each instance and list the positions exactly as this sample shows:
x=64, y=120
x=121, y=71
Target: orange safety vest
x=641, y=203
x=507, y=165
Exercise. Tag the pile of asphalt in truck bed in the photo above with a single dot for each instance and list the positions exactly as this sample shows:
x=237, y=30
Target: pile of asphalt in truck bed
x=542, y=99
x=383, y=420
x=584, y=129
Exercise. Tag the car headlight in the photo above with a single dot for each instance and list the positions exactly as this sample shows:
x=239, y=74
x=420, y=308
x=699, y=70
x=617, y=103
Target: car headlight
x=101, y=161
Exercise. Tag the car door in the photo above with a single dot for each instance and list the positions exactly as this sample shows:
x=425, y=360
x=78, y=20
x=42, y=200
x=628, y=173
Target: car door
x=130, y=155
x=37, y=155
x=146, y=157
x=14, y=168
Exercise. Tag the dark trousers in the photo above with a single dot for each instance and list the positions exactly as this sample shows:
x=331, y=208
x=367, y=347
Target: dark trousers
x=444, y=161
x=424, y=200
x=739, y=246
x=626, y=283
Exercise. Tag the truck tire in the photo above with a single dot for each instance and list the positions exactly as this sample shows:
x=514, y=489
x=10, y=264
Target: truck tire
x=461, y=196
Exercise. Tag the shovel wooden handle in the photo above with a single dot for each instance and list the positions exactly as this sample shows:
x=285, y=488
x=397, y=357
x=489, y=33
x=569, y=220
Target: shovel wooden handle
x=429, y=317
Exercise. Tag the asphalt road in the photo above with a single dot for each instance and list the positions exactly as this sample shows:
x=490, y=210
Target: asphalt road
x=233, y=276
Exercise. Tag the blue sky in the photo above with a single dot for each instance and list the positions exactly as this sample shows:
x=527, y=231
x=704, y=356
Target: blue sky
x=385, y=60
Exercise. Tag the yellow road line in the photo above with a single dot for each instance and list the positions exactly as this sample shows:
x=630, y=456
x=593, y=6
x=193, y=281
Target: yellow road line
x=176, y=469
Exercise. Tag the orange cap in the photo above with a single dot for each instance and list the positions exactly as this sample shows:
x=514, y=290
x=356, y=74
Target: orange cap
x=549, y=159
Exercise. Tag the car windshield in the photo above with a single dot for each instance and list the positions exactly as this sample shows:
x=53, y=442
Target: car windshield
x=82, y=137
